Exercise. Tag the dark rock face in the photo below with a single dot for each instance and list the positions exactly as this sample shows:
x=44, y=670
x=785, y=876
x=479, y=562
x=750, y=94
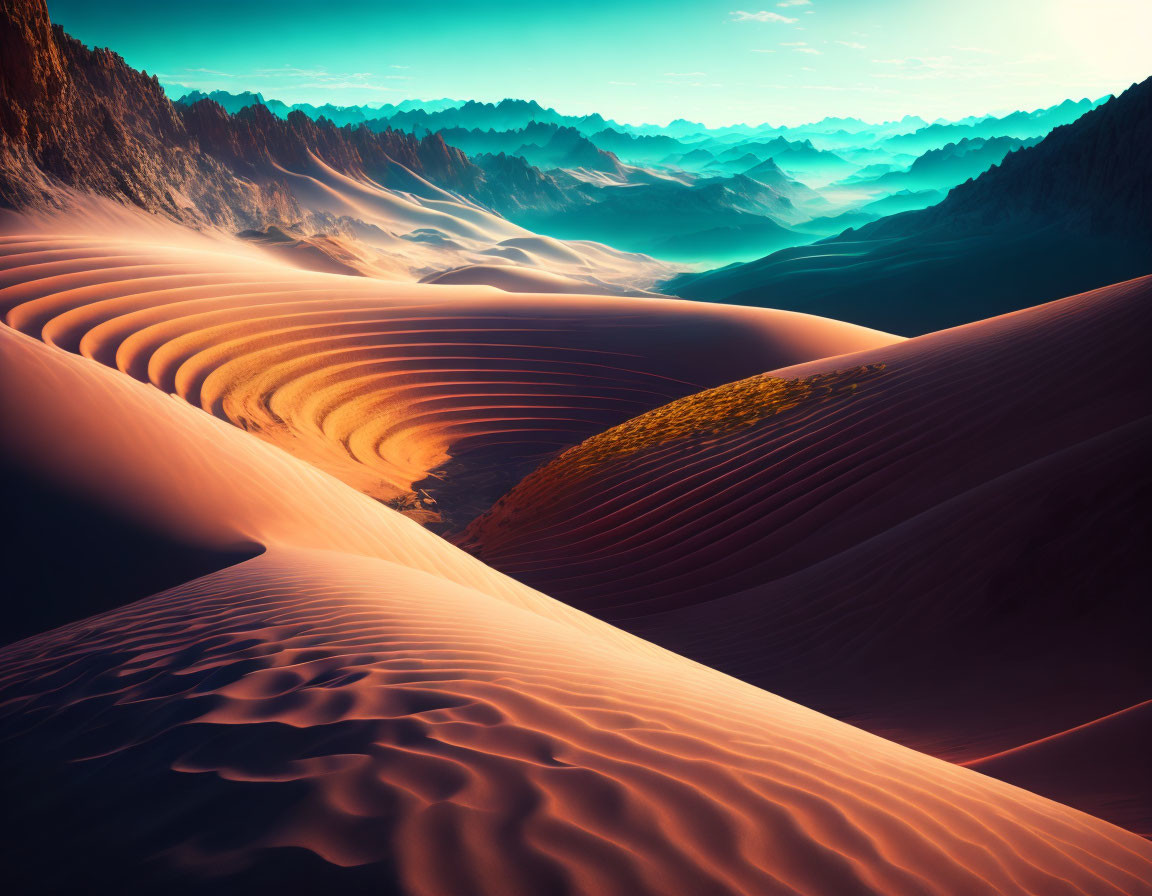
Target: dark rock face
x=1095, y=173
x=521, y=185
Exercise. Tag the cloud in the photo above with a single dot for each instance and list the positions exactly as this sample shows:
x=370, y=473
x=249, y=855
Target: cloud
x=691, y=84
x=794, y=3
x=842, y=88
x=291, y=76
x=794, y=43
x=761, y=16
x=812, y=51
x=343, y=85
x=763, y=51
x=684, y=74
x=208, y=71
x=399, y=66
x=850, y=43
x=932, y=68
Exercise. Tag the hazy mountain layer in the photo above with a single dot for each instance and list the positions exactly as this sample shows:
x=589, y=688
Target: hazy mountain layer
x=1066, y=215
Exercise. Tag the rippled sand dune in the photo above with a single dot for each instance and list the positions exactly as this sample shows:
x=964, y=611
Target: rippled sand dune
x=932, y=539
x=382, y=383
x=363, y=707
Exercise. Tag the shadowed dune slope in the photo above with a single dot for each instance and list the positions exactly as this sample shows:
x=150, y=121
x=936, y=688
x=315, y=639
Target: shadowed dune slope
x=922, y=538
x=1101, y=767
x=381, y=383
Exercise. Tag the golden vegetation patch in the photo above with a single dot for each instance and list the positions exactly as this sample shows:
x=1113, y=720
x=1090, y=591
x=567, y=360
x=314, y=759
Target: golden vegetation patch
x=708, y=414
x=714, y=412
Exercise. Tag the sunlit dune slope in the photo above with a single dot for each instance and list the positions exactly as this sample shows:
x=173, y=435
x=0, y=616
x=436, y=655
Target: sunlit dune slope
x=362, y=708
x=181, y=473
x=379, y=383
x=932, y=539
x=423, y=231
x=513, y=278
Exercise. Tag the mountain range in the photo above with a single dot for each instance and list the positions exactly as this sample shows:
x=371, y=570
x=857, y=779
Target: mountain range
x=853, y=166
x=1065, y=215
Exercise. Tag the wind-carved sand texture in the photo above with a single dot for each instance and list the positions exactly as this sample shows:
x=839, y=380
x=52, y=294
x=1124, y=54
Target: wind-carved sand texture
x=363, y=706
x=944, y=555
x=383, y=384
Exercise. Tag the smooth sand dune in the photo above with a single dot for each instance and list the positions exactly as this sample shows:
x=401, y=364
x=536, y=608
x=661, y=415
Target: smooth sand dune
x=931, y=539
x=394, y=234
x=514, y=278
x=363, y=708
x=183, y=473
x=382, y=384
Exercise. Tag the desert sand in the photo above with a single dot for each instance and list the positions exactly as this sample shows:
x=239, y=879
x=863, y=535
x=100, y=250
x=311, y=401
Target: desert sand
x=382, y=383
x=863, y=538
x=254, y=368
x=362, y=704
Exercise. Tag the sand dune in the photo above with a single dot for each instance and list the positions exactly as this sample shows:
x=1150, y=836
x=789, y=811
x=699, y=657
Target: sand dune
x=179, y=471
x=382, y=384
x=395, y=234
x=1101, y=767
x=514, y=278
x=932, y=539
x=362, y=706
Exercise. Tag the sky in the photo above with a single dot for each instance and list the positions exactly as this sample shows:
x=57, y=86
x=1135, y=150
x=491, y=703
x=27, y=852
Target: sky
x=753, y=61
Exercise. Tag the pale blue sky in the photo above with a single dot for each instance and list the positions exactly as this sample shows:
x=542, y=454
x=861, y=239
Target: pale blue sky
x=782, y=61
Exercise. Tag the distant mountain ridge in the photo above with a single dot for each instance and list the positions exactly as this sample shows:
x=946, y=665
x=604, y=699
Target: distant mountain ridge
x=1066, y=215
x=583, y=159
x=1021, y=124
x=341, y=115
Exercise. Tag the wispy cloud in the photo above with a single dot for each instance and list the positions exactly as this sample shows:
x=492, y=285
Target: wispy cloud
x=763, y=51
x=794, y=3
x=343, y=85
x=932, y=68
x=740, y=15
x=682, y=83
x=844, y=88
x=811, y=51
x=793, y=43
x=209, y=71
x=295, y=76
